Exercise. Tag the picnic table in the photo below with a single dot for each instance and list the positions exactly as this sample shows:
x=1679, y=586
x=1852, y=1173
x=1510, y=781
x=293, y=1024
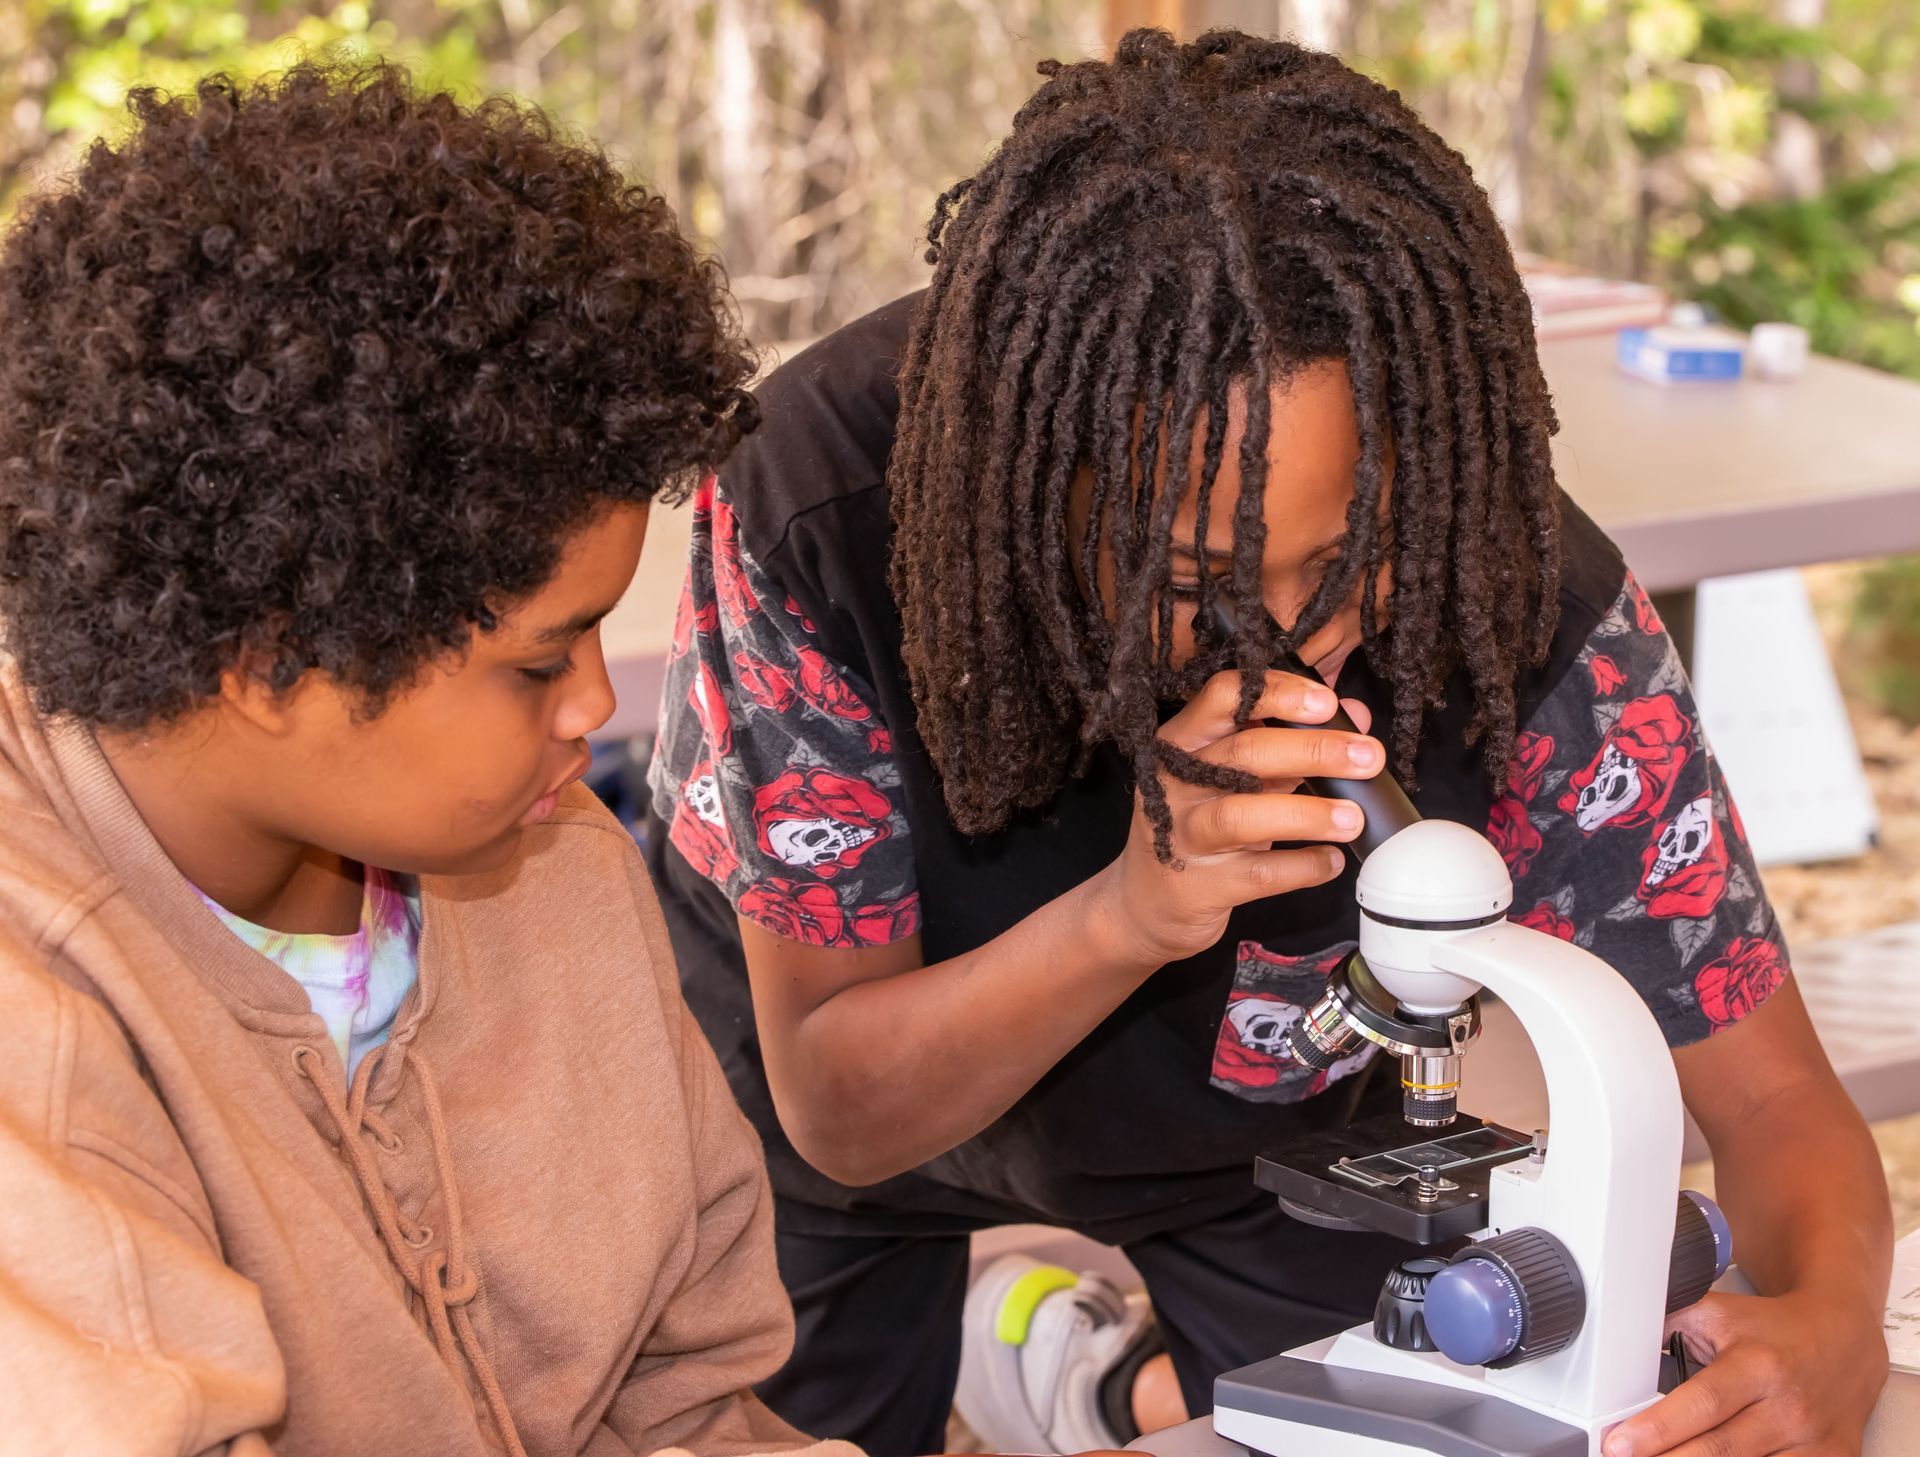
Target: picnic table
x=1713, y=480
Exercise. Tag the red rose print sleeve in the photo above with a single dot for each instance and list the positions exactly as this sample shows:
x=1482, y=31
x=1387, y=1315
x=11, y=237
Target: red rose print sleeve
x=1622, y=837
x=772, y=772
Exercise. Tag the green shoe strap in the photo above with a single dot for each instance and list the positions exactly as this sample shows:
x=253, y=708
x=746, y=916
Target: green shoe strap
x=1023, y=1297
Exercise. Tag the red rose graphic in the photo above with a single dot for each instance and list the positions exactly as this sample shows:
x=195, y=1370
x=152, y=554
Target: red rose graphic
x=1644, y=616
x=1734, y=984
x=729, y=568
x=1235, y=1063
x=1690, y=859
x=1607, y=677
x=1632, y=773
x=1513, y=835
x=710, y=707
x=797, y=613
x=825, y=689
x=706, y=846
x=879, y=741
x=687, y=620
x=766, y=685
x=1531, y=755
x=1248, y=1051
x=880, y=925
x=817, y=820
x=809, y=914
x=1544, y=917
x=703, y=501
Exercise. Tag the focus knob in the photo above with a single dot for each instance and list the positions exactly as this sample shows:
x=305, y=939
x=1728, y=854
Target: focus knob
x=1399, y=1315
x=1702, y=1250
x=1511, y=1298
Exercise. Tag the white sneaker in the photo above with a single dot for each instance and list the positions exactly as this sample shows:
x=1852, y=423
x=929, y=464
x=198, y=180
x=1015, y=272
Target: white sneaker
x=1048, y=1358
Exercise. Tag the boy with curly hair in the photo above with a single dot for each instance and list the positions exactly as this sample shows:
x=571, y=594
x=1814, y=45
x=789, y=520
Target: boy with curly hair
x=349, y=1102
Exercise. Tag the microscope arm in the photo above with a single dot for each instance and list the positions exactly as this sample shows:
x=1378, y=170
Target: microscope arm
x=1607, y=1190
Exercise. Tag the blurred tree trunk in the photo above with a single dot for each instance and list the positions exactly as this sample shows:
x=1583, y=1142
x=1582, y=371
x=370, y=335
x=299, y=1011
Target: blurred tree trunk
x=1799, y=168
x=741, y=165
x=1124, y=15
x=1326, y=25
x=1524, y=79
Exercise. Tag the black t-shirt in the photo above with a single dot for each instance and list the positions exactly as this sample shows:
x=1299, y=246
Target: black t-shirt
x=790, y=787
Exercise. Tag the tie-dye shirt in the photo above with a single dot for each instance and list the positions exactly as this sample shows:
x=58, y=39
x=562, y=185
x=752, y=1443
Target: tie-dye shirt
x=355, y=983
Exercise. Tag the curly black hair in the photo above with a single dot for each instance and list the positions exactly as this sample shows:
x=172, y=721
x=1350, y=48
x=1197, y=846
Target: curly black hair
x=319, y=373
x=1157, y=230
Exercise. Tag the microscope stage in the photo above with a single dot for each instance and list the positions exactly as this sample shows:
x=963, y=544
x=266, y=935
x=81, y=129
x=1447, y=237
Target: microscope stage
x=1367, y=1175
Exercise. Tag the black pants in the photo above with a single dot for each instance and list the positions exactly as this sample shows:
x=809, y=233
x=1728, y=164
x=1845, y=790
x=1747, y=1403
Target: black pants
x=878, y=1346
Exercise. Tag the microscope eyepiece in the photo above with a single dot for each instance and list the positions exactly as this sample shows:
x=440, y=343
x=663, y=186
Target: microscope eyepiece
x=1384, y=805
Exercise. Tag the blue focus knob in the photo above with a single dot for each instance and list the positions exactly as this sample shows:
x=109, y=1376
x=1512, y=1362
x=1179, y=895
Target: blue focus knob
x=1702, y=1250
x=1717, y=1224
x=1510, y=1298
x=1474, y=1313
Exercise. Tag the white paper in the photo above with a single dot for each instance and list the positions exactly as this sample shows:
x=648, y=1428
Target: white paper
x=1903, y=1306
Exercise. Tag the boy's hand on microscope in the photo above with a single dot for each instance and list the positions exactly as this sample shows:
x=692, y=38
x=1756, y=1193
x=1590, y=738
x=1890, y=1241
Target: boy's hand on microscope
x=1222, y=839
x=1796, y=1373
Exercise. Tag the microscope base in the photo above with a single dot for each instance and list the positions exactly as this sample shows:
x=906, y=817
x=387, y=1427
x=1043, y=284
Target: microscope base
x=1349, y=1396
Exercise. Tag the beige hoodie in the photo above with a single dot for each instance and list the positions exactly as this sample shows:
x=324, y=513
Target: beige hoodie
x=538, y=1218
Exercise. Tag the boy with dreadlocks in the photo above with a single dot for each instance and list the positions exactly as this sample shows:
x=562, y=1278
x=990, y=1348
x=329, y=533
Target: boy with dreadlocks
x=999, y=902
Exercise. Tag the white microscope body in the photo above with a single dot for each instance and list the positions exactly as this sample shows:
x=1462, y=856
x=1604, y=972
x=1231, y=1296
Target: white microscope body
x=1433, y=933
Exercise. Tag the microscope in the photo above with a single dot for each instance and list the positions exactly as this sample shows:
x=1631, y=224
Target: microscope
x=1542, y=1331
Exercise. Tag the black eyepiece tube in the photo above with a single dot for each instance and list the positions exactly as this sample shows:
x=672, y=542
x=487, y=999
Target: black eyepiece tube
x=1381, y=799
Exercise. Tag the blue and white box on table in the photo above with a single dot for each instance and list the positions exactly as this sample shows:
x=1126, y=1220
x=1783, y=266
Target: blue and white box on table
x=1672, y=355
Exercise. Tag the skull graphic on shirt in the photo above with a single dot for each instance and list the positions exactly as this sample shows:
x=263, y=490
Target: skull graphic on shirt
x=1631, y=777
x=815, y=842
x=1262, y=1023
x=1615, y=790
x=813, y=819
x=1684, y=841
x=702, y=795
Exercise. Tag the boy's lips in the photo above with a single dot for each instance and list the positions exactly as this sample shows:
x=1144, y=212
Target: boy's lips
x=544, y=806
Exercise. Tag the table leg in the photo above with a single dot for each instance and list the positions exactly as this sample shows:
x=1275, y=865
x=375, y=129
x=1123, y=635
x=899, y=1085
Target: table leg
x=1676, y=610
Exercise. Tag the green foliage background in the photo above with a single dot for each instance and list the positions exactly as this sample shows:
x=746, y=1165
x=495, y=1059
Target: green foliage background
x=1761, y=156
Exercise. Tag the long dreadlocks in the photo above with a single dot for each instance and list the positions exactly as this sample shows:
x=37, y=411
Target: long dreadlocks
x=1157, y=230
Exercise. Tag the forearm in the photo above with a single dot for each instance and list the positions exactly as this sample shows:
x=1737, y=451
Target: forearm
x=1801, y=1183
x=891, y=1072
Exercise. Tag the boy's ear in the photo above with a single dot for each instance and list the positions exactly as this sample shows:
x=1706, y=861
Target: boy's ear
x=246, y=689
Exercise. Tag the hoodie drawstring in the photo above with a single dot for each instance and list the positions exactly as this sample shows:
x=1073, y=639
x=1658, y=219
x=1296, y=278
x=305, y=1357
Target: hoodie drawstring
x=443, y=1279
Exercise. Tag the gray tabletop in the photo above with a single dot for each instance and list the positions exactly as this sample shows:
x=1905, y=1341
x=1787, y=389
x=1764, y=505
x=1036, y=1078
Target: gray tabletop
x=1895, y=1431
x=1709, y=480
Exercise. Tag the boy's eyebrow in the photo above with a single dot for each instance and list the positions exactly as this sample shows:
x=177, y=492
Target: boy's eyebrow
x=1215, y=557
x=573, y=626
